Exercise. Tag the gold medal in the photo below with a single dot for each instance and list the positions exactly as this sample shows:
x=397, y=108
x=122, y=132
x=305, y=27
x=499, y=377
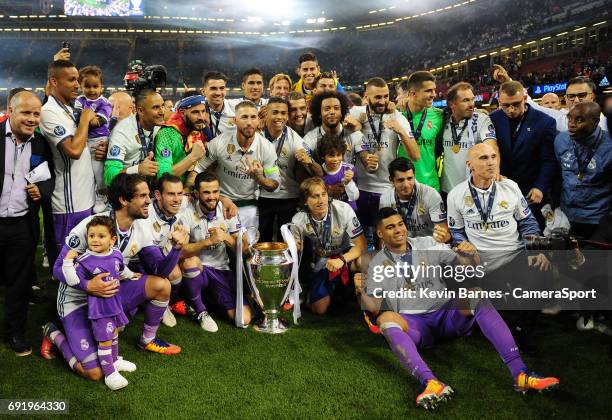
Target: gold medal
x=580, y=176
x=421, y=210
x=380, y=147
x=156, y=227
x=456, y=148
x=486, y=227
x=321, y=253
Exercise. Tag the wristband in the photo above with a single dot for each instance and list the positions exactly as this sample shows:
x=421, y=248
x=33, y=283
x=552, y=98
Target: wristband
x=132, y=170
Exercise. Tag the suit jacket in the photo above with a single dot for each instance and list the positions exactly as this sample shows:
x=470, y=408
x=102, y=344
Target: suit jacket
x=530, y=159
x=40, y=153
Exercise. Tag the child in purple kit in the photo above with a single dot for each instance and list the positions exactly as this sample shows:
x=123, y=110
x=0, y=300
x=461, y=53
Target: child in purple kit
x=338, y=175
x=106, y=314
x=90, y=79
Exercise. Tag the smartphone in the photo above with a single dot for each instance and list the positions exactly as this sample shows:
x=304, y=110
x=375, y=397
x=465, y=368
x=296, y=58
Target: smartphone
x=66, y=44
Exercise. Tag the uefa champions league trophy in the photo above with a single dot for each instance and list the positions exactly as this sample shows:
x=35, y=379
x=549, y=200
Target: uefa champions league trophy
x=272, y=274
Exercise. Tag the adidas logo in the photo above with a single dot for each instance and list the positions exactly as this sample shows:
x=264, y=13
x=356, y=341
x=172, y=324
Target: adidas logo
x=97, y=271
x=104, y=363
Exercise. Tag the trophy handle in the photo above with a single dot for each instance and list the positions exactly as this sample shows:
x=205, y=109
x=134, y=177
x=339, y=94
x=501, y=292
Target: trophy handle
x=252, y=237
x=292, y=236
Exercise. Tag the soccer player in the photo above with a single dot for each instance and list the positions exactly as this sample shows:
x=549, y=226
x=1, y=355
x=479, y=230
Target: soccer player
x=167, y=213
x=280, y=85
x=382, y=133
x=420, y=205
x=211, y=234
x=401, y=95
x=221, y=113
x=298, y=114
x=128, y=195
x=181, y=143
x=168, y=109
x=90, y=80
x=125, y=154
x=279, y=206
x=324, y=82
x=585, y=156
x=412, y=323
x=252, y=89
x=308, y=70
x=465, y=127
x=245, y=161
x=425, y=121
x=74, y=194
x=337, y=239
x=551, y=101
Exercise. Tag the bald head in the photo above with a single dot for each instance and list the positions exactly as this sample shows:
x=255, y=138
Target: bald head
x=479, y=149
x=551, y=100
x=583, y=119
x=24, y=114
x=482, y=161
x=123, y=104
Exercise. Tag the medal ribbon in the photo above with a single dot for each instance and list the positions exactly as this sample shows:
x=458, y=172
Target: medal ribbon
x=582, y=164
x=406, y=210
x=377, y=135
x=417, y=133
x=457, y=137
x=326, y=231
x=484, y=216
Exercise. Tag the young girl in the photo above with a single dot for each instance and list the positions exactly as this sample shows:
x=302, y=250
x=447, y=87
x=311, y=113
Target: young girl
x=90, y=79
x=106, y=314
x=338, y=175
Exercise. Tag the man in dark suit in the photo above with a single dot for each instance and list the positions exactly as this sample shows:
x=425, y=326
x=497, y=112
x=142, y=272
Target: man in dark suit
x=525, y=137
x=21, y=150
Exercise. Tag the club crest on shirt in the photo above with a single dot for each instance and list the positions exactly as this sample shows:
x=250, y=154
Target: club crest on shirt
x=133, y=250
x=109, y=327
x=137, y=138
x=429, y=125
x=117, y=266
x=503, y=204
x=230, y=149
x=592, y=164
x=309, y=228
x=336, y=231
x=421, y=210
x=156, y=227
x=284, y=152
x=362, y=117
x=59, y=130
x=468, y=201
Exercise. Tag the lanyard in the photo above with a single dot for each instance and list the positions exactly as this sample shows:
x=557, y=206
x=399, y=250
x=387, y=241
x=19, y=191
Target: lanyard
x=69, y=113
x=457, y=137
x=162, y=216
x=279, y=142
x=520, y=124
x=582, y=164
x=146, y=142
x=123, y=238
x=416, y=133
x=407, y=257
x=377, y=135
x=324, y=237
x=406, y=210
x=484, y=216
x=215, y=128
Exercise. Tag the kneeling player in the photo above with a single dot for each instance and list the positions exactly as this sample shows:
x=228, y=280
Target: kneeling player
x=210, y=236
x=416, y=321
x=337, y=239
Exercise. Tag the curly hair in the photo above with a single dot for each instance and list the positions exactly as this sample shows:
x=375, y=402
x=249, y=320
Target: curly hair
x=317, y=101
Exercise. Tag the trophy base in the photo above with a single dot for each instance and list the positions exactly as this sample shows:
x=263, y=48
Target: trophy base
x=273, y=326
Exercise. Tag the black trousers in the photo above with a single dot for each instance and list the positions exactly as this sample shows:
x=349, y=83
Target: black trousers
x=17, y=248
x=271, y=210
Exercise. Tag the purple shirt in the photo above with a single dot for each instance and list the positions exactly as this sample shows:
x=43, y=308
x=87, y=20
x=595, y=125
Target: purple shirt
x=103, y=108
x=338, y=177
x=89, y=265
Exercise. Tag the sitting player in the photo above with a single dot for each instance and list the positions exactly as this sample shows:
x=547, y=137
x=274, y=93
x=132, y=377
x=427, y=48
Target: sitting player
x=337, y=174
x=106, y=314
x=337, y=239
x=410, y=323
x=210, y=235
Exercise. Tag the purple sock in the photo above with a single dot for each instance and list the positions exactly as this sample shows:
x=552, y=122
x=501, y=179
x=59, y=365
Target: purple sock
x=153, y=312
x=62, y=344
x=105, y=357
x=495, y=329
x=193, y=291
x=175, y=287
x=115, y=347
x=406, y=351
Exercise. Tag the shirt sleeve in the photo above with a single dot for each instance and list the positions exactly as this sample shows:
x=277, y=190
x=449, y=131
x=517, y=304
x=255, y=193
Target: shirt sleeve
x=404, y=123
x=352, y=192
x=105, y=111
x=352, y=225
x=210, y=157
x=559, y=116
x=433, y=201
x=233, y=225
x=486, y=129
x=55, y=127
x=269, y=164
x=165, y=145
x=455, y=218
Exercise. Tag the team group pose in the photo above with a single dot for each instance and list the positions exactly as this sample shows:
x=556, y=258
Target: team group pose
x=148, y=200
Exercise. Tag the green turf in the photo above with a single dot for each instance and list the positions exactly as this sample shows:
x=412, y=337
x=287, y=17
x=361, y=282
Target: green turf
x=329, y=367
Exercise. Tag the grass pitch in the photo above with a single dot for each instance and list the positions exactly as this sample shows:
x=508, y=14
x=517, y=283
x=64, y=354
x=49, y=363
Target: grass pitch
x=328, y=367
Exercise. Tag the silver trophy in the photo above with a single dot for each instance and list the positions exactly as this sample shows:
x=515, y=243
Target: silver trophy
x=270, y=272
